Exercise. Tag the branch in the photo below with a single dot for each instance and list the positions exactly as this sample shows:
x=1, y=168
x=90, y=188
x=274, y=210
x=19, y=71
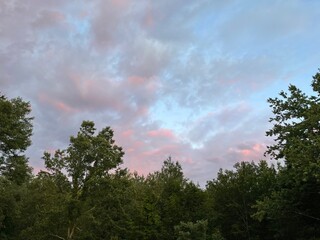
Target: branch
x=54, y=235
x=306, y=215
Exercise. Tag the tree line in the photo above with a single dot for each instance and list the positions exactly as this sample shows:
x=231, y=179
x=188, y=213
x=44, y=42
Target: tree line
x=83, y=193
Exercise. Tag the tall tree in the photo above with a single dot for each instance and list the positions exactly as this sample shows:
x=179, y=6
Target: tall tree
x=168, y=185
x=296, y=129
x=89, y=158
x=15, y=133
x=171, y=199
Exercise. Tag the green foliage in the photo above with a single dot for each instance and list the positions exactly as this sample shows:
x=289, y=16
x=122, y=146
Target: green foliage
x=17, y=169
x=193, y=202
x=233, y=194
x=192, y=231
x=216, y=235
x=296, y=126
x=86, y=165
x=87, y=158
x=162, y=193
x=43, y=209
x=166, y=191
x=16, y=126
x=8, y=208
x=112, y=209
x=15, y=133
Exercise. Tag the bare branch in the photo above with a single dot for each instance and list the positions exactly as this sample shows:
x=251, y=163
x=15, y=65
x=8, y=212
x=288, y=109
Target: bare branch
x=54, y=235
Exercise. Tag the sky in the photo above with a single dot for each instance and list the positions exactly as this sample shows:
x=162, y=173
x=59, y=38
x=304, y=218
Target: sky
x=180, y=78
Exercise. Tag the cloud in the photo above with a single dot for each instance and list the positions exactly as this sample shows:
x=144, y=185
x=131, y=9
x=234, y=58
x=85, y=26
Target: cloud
x=48, y=18
x=146, y=57
x=58, y=105
x=162, y=133
x=225, y=119
x=181, y=78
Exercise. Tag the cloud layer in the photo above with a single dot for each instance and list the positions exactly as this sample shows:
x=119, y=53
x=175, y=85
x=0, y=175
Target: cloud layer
x=173, y=78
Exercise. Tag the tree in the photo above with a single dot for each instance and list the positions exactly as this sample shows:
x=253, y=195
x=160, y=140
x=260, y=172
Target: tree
x=193, y=203
x=8, y=208
x=42, y=208
x=167, y=187
x=113, y=209
x=192, y=231
x=232, y=196
x=169, y=198
x=15, y=133
x=296, y=129
x=88, y=159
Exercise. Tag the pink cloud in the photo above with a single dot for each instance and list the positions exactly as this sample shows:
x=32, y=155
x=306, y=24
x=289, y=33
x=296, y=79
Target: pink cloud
x=151, y=84
x=259, y=147
x=143, y=111
x=246, y=152
x=132, y=95
x=136, y=80
x=162, y=133
x=161, y=151
x=145, y=162
x=82, y=84
x=57, y=104
x=93, y=92
x=37, y=169
x=146, y=149
x=249, y=153
x=148, y=20
x=63, y=107
x=127, y=133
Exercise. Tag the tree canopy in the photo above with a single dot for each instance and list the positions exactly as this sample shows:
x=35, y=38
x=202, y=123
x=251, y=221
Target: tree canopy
x=296, y=127
x=84, y=164
x=15, y=134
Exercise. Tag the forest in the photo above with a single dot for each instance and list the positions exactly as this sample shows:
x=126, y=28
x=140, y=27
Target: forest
x=83, y=193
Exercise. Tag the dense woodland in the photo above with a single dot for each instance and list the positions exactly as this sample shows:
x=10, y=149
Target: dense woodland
x=84, y=194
